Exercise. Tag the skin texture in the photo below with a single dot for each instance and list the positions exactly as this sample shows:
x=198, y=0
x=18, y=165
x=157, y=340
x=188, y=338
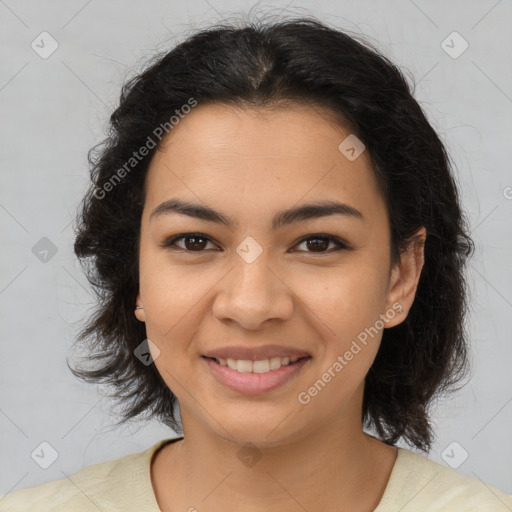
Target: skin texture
x=249, y=164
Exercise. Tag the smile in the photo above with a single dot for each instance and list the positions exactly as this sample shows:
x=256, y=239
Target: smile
x=262, y=366
x=254, y=377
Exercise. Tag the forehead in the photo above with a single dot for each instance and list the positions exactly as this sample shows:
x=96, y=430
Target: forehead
x=256, y=157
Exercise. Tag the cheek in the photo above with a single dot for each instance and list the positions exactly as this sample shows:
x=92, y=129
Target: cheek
x=346, y=298
x=347, y=314
x=347, y=304
x=168, y=291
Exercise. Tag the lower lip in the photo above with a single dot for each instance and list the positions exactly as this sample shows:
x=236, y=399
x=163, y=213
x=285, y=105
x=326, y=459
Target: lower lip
x=254, y=383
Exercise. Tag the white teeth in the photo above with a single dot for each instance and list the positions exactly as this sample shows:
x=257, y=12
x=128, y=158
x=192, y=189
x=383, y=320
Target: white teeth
x=244, y=366
x=275, y=363
x=262, y=366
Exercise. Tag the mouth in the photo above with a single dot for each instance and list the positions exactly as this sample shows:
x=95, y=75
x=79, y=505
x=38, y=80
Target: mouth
x=261, y=366
x=255, y=377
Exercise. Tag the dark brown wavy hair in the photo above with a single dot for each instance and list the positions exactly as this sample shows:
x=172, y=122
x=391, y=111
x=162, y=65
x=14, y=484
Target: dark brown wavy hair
x=260, y=64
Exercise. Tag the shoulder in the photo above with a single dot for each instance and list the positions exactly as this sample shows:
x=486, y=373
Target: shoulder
x=418, y=483
x=103, y=486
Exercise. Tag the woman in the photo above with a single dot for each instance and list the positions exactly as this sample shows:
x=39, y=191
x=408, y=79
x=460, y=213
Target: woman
x=278, y=247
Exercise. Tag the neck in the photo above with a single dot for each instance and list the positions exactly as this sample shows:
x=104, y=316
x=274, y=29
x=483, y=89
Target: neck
x=334, y=464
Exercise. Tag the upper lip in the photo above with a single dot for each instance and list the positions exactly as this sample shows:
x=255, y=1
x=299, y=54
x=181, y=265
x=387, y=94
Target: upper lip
x=255, y=353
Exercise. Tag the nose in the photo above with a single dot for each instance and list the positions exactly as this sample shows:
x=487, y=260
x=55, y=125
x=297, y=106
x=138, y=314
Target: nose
x=252, y=294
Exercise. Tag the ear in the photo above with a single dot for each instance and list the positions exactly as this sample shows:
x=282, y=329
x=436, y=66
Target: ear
x=139, y=312
x=405, y=276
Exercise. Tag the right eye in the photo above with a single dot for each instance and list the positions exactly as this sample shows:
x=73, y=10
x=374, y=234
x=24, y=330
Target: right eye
x=193, y=242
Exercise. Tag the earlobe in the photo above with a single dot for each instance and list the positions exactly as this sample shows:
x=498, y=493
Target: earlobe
x=405, y=277
x=139, y=309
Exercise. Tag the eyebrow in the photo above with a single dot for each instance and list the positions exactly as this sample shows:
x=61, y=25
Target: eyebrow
x=296, y=214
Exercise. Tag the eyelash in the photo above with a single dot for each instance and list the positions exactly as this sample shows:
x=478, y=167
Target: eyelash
x=340, y=245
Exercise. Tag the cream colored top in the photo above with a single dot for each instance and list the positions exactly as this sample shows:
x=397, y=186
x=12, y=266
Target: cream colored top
x=416, y=484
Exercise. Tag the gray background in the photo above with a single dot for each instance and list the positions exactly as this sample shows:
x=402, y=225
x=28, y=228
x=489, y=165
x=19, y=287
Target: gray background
x=55, y=109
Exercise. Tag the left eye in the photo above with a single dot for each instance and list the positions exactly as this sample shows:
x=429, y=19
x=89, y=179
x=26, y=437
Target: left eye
x=196, y=242
x=322, y=242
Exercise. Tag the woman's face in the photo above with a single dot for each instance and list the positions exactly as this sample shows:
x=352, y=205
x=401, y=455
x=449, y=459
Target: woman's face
x=266, y=278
